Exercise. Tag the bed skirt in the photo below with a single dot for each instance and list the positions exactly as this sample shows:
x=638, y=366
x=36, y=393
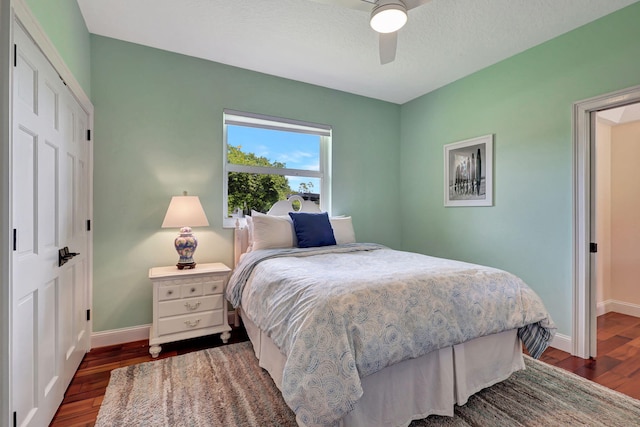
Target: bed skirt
x=415, y=388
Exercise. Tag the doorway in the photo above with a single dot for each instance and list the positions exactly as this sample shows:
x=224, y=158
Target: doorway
x=617, y=202
x=584, y=333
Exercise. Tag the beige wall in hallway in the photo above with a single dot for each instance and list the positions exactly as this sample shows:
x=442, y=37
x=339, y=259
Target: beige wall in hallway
x=625, y=213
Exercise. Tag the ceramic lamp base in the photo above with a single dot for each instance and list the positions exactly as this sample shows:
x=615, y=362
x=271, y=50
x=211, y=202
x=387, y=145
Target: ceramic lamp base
x=186, y=244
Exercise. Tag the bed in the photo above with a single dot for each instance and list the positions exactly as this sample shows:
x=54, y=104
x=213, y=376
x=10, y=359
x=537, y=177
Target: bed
x=358, y=334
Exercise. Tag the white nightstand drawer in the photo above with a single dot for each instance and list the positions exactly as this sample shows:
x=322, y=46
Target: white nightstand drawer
x=189, y=305
x=168, y=292
x=189, y=322
x=214, y=287
x=191, y=289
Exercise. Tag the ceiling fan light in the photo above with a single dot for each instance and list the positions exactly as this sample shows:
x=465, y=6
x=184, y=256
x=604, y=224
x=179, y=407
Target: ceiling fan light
x=388, y=16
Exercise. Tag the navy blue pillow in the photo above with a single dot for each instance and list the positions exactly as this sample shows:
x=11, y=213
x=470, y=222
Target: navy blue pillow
x=312, y=229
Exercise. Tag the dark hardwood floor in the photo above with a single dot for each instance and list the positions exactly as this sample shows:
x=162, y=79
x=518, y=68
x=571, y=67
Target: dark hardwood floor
x=617, y=365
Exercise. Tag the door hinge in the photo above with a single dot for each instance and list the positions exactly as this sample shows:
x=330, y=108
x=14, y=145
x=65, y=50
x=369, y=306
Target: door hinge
x=593, y=247
x=88, y=225
x=88, y=134
x=15, y=55
x=88, y=315
x=15, y=239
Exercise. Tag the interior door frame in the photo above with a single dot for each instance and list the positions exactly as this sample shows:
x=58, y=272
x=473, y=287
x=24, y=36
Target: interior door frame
x=584, y=328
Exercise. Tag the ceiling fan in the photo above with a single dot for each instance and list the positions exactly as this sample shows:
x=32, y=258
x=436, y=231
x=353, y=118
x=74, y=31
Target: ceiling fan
x=387, y=17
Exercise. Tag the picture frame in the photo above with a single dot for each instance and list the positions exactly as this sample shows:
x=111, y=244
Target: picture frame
x=468, y=172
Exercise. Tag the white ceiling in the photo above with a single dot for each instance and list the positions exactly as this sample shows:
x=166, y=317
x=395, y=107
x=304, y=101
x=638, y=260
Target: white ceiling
x=620, y=115
x=332, y=46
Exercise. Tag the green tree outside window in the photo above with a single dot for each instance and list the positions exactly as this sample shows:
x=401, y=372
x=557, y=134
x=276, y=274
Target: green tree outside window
x=249, y=191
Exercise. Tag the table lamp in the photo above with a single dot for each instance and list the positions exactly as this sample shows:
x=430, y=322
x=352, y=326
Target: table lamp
x=185, y=212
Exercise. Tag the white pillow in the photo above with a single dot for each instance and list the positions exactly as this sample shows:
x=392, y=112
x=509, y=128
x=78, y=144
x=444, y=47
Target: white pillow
x=343, y=229
x=271, y=231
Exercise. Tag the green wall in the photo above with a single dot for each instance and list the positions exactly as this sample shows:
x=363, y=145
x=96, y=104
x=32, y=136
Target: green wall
x=526, y=102
x=64, y=24
x=158, y=131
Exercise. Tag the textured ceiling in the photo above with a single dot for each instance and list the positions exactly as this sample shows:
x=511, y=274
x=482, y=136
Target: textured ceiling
x=333, y=46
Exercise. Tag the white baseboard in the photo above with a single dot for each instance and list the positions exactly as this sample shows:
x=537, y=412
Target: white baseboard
x=619, y=307
x=134, y=333
x=120, y=336
x=562, y=342
x=139, y=333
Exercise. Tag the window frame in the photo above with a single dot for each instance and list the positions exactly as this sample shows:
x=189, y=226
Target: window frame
x=262, y=121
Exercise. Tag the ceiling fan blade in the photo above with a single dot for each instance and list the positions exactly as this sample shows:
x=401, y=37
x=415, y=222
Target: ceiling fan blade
x=388, y=45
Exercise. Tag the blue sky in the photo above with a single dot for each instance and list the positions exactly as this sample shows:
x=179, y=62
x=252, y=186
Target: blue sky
x=296, y=150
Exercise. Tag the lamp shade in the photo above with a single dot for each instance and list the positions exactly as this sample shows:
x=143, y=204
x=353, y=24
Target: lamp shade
x=185, y=211
x=388, y=16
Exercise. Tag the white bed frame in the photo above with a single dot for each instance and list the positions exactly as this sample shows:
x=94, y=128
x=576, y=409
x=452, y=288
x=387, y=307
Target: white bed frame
x=412, y=389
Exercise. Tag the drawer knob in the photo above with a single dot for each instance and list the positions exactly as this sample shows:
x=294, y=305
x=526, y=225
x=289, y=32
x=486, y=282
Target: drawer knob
x=214, y=287
x=193, y=290
x=192, y=307
x=169, y=292
x=192, y=323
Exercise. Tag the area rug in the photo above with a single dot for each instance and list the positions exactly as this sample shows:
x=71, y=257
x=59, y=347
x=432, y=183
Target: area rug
x=224, y=386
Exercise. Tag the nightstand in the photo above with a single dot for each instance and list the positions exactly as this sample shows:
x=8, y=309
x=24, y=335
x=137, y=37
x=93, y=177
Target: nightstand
x=188, y=304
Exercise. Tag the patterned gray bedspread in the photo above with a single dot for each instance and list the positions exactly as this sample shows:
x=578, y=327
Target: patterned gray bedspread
x=343, y=312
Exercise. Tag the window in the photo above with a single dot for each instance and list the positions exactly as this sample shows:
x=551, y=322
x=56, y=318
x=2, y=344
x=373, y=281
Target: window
x=267, y=159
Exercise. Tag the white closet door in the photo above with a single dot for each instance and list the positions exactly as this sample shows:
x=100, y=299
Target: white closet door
x=50, y=203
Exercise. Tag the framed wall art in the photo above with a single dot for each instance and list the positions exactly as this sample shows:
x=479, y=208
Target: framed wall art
x=468, y=172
